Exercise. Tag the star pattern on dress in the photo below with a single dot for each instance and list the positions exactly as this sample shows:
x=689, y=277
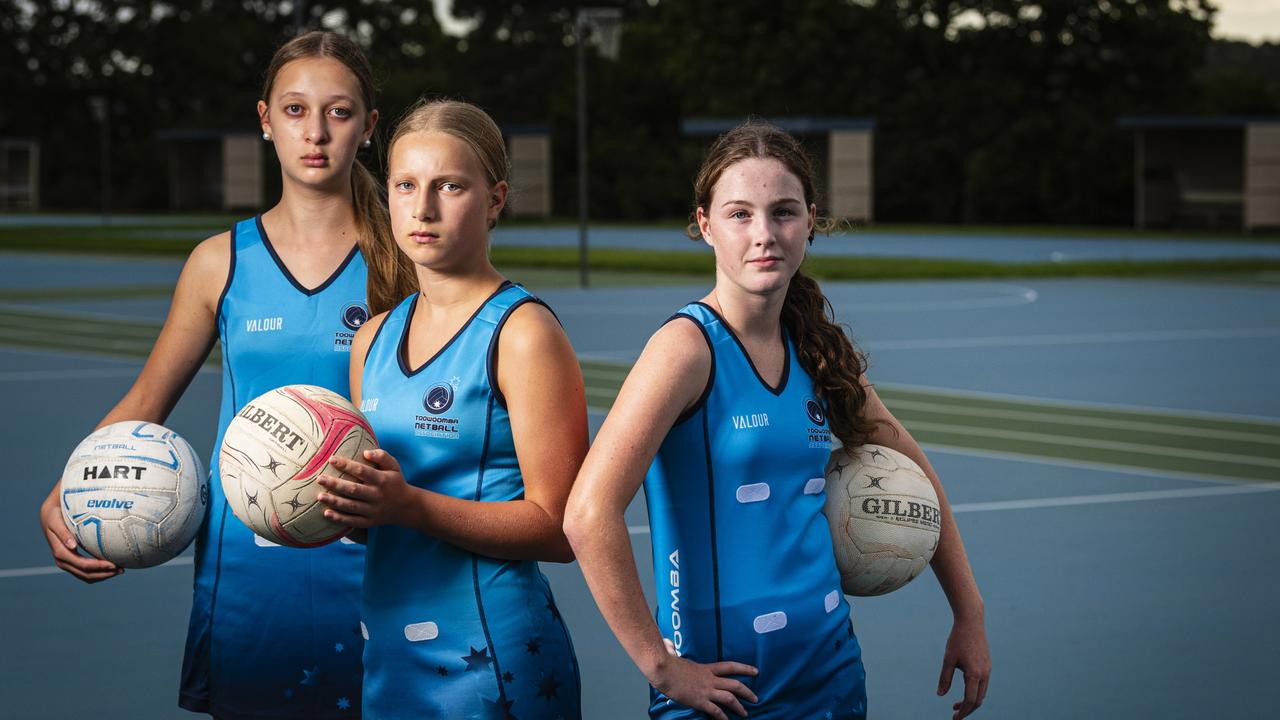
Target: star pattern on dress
x=455, y=381
x=507, y=677
x=499, y=708
x=339, y=647
x=442, y=671
x=478, y=659
x=555, y=611
x=549, y=688
x=533, y=647
x=344, y=704
x=309, y=676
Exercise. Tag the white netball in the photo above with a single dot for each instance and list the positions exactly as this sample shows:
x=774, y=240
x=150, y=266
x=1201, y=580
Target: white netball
x=884, y=518
x=134, y=493
x=274, y=450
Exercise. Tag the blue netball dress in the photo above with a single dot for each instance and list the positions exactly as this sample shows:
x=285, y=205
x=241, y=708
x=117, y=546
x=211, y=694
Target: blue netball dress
x=275, y=631
x=741, y=550
x=451, y=634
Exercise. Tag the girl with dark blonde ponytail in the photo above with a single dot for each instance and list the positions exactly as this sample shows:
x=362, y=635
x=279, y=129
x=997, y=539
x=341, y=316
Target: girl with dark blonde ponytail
x=275, y=631
x=732, y=407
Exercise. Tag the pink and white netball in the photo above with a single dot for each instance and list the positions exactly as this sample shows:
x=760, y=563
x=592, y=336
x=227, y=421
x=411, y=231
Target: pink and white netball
x=274, y=450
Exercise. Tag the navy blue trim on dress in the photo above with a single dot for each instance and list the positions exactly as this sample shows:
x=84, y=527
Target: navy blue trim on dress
x=711, y=513
x=262, y=232
x=786, y=354
x=376, y=334
x=711, y=377
x=491, y=357
x=475, y=559
x=231, y=273
x=402, y=351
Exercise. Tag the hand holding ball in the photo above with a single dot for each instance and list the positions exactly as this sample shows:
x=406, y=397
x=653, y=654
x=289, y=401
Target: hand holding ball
x=273, y=452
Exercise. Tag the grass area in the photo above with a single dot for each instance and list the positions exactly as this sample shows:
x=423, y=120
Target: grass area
x=643, y=267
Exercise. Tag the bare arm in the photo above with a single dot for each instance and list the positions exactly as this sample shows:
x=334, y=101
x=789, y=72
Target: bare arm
x=538, y=375
x=667, y=379
x=967, y=646
x=184, y=343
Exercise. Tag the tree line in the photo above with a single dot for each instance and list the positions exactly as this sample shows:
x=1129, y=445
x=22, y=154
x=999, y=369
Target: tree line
x=991, y=111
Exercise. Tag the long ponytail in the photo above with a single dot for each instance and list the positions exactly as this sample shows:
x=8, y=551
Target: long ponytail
x=829, y=357
x=391, y=275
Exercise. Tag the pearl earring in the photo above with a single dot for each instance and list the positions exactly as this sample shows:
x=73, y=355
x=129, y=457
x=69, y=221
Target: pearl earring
x=266, y=136
x=367, y=142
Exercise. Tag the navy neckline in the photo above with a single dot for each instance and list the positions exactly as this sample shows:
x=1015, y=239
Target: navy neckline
x=402, y=347
x=786, y=354
x=284, y=269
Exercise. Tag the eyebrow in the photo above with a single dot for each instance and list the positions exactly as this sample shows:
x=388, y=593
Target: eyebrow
x=295, y=93
x=782, y=201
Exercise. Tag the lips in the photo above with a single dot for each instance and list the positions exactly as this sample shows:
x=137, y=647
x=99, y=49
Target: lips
x=423, y=237
x=315, y=160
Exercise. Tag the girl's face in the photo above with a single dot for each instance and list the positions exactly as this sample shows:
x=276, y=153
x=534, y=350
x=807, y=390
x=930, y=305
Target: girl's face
x=759, y=224
x=316, y=120
x=441, y=203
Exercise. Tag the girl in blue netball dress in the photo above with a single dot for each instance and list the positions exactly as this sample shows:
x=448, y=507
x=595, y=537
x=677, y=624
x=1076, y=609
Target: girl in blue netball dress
x=731, y=407
x=274, y=631
x=480, y=413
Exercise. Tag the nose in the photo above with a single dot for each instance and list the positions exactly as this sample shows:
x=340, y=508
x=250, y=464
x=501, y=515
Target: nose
x=424, y=210
x=317, y=130
x=762, y=232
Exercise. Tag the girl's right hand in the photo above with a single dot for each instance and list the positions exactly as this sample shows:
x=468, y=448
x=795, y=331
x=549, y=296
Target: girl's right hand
x=705, y=686
x=63, y=544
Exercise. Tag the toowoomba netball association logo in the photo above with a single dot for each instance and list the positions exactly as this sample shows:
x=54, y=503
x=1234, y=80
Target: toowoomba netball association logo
x=355, y=315
x=813, y=409
x=439, y=398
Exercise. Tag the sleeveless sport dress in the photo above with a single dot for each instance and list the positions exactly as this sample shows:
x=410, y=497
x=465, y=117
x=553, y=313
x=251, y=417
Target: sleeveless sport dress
x=741, y=548
x=275, y=631
x=452, y=634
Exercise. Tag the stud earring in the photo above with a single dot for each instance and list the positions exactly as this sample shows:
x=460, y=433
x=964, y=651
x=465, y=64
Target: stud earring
x=266, y=136
x=367, y=142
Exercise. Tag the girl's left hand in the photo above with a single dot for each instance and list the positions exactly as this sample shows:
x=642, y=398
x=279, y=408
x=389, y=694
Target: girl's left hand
x=966, y=650
x=378, y=495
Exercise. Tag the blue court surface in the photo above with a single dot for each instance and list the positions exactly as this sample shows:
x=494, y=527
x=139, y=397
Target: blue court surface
x=1111, y=449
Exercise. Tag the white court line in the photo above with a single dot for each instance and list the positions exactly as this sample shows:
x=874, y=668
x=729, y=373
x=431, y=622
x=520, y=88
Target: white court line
x=51, y=570
x=1072, y=338
x=1020, y=296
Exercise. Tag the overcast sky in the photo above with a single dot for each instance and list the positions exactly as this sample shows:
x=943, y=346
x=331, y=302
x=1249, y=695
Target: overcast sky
x=1254, y=20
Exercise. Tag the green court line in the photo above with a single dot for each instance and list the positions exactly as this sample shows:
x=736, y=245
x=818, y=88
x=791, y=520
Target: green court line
x=1153, y=441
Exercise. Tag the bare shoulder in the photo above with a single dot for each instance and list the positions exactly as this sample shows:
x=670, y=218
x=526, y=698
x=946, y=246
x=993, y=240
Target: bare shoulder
x=680, y=346
x=529, y=326
x=205, y=274
x=212, y=255
x=366, y=333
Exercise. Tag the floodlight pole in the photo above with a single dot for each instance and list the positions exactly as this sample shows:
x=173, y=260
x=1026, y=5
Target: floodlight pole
x=580, y=41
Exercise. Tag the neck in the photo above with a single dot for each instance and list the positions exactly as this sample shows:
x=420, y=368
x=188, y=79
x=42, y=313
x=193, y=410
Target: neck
x=308, y=215
x=457, y=289
x=751, y=317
